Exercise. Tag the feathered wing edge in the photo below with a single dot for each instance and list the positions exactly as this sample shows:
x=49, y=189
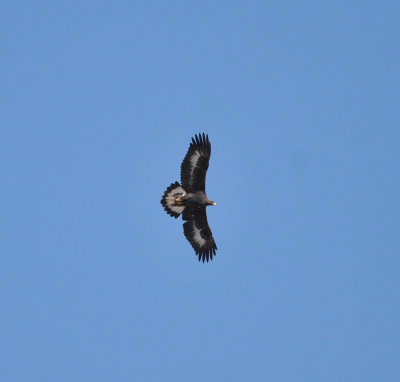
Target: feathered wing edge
x=201, y=141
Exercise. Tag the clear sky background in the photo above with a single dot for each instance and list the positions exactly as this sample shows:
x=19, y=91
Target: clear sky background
x=99, y=101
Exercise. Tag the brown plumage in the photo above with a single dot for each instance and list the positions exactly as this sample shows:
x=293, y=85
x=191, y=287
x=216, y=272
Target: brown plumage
x=190, y=199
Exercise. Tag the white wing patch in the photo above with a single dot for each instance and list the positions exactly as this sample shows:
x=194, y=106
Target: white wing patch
x=193, y=161
x=194, y=158
x=197, y=236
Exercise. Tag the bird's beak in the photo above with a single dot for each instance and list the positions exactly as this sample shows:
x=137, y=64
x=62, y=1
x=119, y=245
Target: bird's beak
x=214, y=204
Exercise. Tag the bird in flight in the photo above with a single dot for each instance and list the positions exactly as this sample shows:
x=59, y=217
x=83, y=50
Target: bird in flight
x=189, y=198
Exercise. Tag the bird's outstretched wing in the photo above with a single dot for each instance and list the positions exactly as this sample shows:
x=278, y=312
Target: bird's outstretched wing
x=198, y=232
x=194, y=166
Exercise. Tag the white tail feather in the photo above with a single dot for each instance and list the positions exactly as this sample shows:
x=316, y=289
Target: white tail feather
x=169, y=202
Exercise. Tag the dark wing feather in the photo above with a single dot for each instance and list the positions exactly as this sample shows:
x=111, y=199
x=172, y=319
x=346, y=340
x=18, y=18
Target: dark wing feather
x=198, y=232
x=194, y=166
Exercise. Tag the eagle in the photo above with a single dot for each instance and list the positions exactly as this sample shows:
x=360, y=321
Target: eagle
x=190, y=200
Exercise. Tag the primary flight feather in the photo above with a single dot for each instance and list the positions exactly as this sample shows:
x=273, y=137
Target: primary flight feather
x=190, y=199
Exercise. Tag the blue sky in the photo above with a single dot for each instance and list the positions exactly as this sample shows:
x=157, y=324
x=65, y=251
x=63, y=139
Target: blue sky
x=301, y=104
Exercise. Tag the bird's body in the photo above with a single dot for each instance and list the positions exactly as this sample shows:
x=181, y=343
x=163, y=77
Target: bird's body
x=190, y=199
x=195, y=199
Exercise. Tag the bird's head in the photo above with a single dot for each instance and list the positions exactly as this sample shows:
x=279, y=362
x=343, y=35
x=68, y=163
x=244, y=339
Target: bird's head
x=210, y=202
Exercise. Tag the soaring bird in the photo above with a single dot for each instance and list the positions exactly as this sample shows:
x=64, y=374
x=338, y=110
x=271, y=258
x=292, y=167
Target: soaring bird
x=189, y=198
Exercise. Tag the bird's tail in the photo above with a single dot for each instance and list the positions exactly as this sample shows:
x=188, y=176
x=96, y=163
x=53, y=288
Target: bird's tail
x=170, y=202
